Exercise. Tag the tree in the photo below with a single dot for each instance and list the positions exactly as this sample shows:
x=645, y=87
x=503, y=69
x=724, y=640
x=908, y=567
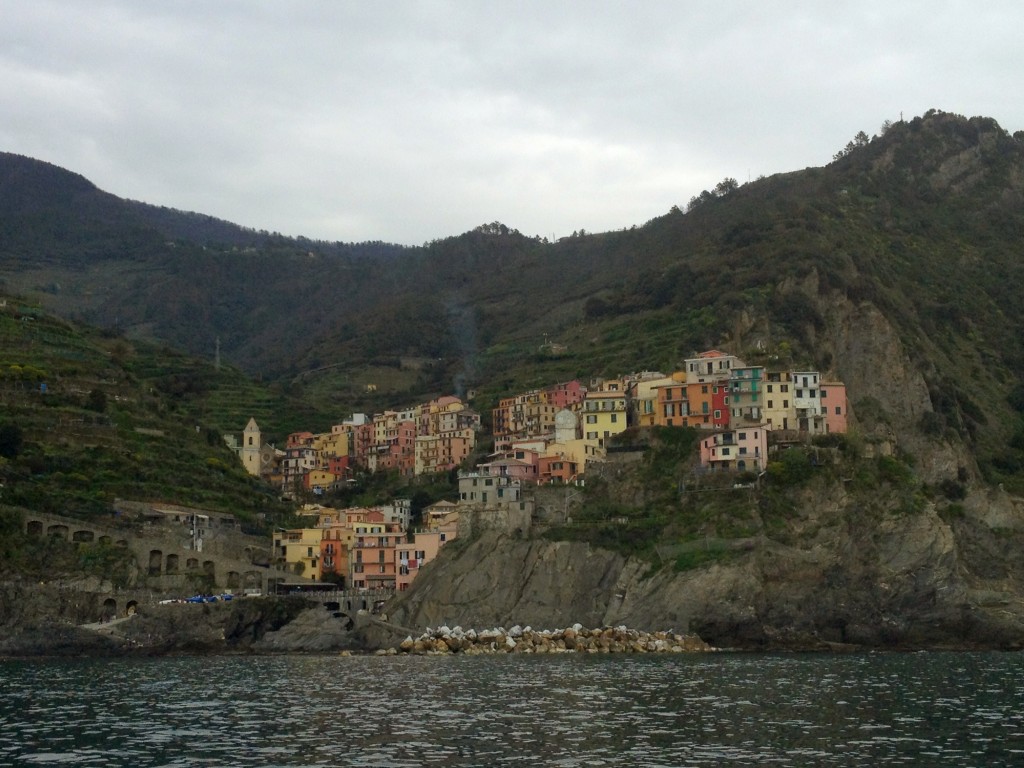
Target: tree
x=725, y=186
x=11, y=440
x=96, y=401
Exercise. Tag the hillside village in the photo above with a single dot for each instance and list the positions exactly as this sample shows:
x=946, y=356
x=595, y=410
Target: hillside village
x=541, y=437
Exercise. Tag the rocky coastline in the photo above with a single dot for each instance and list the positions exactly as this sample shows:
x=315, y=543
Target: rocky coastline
x=574, y=639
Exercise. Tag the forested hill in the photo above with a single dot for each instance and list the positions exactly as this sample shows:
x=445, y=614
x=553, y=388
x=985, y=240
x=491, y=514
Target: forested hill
x=895, y=267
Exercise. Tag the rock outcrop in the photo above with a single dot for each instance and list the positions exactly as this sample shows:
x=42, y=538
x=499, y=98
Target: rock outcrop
x=845, y=576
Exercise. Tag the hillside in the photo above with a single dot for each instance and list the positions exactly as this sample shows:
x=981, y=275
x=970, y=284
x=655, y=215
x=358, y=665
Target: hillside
x=914, y=235
x=88, y=417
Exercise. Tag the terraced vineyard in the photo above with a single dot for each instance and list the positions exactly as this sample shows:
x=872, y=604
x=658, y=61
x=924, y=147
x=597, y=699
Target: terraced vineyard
x=89, y=417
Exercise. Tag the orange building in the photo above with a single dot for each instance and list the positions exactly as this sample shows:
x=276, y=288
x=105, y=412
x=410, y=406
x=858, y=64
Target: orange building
x=372, y=557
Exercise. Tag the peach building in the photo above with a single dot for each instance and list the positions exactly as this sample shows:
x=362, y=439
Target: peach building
x=834, y=405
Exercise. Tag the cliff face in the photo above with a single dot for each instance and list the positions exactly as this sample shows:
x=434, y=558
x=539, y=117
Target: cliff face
x=841, y=575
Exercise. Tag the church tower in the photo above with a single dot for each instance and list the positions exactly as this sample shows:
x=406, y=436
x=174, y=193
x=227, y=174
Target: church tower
x=250, y=450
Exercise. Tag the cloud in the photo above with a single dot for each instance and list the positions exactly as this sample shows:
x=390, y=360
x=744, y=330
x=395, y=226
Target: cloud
x=409, y=121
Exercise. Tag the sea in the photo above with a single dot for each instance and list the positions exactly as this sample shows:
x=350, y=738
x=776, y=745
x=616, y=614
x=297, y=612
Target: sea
x=872, y=709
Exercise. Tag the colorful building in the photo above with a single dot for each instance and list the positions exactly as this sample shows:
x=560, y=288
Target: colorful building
x=779, y=413
x=742, y=449
x=835, y=406
x=605, y=413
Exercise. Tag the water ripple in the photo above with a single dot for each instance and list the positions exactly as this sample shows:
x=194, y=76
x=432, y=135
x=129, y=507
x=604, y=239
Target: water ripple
x=571, y=711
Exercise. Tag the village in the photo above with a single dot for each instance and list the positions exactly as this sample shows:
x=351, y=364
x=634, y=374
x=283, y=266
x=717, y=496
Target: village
x=541, y=437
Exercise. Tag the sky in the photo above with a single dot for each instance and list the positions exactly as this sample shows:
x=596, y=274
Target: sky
x=411, y=121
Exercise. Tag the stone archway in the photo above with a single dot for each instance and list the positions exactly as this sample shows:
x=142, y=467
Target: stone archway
x=83, y=536
x=210, y=568
x=172, y=564
x=109, y=609
x=58, y=531
x=234, y=580
x=131, y=608
x=156, y=559
x=192, y=564
x=34, y=528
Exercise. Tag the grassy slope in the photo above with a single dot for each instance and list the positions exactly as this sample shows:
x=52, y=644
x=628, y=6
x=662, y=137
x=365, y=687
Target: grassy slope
x=126, y=420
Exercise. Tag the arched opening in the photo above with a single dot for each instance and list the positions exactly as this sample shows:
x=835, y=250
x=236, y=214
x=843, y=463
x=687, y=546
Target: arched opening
x=252, y=580
x=57, y=532
x=83, y=536
x=209, y=568
x=131, y=608
x=192, y=564
x=34, y=528
x=172, y=564
x=741, y=465
x=122, y=543
x=109, y=610
x=234, y=580
x=105, y=541
x=156, y=558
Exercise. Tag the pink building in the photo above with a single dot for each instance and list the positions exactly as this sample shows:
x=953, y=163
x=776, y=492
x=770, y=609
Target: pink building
x=744, y=449
x=508, y=467
x=420, y=548
x=834, y=406
x=565, y=395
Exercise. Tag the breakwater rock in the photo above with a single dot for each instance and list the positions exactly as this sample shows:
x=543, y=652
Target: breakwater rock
x=576, y=639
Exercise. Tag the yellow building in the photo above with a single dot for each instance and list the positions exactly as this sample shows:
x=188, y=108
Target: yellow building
x=604, y=415
x=645, y=398
x=779, y=407
x=298, y=549
x=331, y=445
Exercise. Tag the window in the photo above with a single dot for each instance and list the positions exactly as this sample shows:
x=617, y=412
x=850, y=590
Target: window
x=591, y=419
x=824, y=394
x=811, y=393
x=725, y=451
x=704, y=389
x=718, y=414
x=784, y=388
x=799, y=393
x=839, y=410
x=785, y=403
x=615, y=418
x=770, y=404
x=743, y=435
x=743, y=450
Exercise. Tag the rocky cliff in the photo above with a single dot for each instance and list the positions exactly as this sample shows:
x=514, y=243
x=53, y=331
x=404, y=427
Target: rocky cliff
x=841, y=574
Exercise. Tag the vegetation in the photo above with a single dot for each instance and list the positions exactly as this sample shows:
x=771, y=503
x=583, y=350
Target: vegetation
x=89, y=418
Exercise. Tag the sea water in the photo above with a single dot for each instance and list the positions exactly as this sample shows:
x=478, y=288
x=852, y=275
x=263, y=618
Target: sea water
x=920, y=709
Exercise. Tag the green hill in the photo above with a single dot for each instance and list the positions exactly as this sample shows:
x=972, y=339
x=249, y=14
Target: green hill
x=88, y=417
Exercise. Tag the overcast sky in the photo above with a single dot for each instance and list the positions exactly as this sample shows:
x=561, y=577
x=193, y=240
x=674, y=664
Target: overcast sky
x=406, y=122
